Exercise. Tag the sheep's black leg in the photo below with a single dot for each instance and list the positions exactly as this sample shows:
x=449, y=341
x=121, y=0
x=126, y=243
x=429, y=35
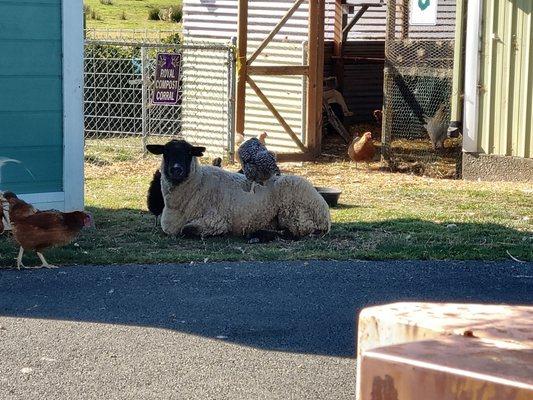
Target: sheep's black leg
x=191, y=231
x=287, y=235
x=263, y=236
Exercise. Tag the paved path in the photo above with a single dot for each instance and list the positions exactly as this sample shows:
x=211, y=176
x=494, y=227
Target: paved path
x=214, y=331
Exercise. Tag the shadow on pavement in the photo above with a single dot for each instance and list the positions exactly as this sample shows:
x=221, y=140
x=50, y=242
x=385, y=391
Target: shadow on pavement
x=293, y=307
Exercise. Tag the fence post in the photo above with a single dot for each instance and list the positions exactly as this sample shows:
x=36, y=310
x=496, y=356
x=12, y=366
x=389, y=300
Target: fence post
x=388, y=82
x=231, y=99
x=303, y=136
x=144, y=113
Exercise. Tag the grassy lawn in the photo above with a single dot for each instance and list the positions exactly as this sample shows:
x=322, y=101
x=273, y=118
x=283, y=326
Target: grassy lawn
x=111, y=16
x=382, y=216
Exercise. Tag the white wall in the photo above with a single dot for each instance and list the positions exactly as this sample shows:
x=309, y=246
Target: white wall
x=73, y=174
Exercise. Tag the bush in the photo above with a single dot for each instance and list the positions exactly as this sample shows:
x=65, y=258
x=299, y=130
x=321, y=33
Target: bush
x=96, y=16
x=102, y=52
x=172, y=39
x=176, y=13
x=123, y=16
x=153, y=14
x=106, y=2
x=86, y=9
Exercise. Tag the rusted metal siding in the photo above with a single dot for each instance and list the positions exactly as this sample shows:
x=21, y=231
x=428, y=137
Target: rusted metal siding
x=506, y=95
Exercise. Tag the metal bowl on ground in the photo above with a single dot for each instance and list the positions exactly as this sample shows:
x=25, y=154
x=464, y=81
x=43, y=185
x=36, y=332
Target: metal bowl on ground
x=331, y=195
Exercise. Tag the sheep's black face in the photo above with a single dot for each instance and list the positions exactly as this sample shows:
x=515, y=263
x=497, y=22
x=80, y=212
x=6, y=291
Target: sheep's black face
x=177, y=158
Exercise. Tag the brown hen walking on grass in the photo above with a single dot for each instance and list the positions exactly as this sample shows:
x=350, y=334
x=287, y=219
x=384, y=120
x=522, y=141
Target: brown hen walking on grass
x=39, y=230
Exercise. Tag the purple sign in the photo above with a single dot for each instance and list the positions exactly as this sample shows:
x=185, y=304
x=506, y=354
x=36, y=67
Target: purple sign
x=167, y=78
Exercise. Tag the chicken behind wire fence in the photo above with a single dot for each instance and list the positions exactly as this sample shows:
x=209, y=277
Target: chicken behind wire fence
x=418, y=93
x=437, y=127
x=418, y=76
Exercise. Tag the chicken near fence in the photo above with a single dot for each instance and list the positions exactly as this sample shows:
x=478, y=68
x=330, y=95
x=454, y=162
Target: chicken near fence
x=437, y=127
x=261, y=137
x=39, y=230
x=258, y=163
x=239, y=140
x=362, y=148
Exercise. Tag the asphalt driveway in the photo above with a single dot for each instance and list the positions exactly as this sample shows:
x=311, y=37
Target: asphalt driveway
x=214, y=331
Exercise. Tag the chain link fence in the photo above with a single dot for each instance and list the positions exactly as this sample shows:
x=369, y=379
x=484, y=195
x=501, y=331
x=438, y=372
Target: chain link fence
x=120, y=116
x=417, y=96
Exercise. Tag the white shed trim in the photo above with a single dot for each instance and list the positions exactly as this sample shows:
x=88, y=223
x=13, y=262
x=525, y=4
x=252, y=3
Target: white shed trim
x=41, y=201
x=45, y=201
x=72, y=23
x=472, y=71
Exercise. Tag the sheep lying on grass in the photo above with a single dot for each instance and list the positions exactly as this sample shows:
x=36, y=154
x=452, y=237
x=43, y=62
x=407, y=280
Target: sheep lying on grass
x=208, y=201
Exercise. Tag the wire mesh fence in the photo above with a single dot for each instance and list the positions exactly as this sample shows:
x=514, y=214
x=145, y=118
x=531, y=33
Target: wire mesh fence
x=121, y=116
x=417, y=96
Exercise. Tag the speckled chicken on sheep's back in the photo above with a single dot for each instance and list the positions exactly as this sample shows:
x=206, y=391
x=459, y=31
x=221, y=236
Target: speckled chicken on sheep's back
x=258, y=164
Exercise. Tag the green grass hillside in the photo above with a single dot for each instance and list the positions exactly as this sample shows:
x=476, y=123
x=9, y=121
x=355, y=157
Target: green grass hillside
x=129, y=14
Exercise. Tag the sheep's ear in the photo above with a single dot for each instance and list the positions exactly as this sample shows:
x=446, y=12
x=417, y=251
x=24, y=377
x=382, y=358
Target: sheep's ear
x=197, y=151
x=155, y=148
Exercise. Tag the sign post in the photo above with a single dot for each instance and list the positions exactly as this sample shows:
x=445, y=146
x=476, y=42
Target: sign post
x=423, y=12
x=167, y=79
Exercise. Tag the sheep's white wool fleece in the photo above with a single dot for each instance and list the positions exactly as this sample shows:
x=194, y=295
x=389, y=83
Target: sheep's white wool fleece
x=216, y=201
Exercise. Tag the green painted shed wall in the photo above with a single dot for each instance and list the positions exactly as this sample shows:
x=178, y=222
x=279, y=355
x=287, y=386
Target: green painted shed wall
x=31, y=100
x=506, y=78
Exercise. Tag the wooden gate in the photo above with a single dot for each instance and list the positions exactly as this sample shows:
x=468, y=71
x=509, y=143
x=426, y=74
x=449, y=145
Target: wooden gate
x=313, y=70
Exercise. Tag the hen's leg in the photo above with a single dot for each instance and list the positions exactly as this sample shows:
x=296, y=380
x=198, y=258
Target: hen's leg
x=44, y=262
x=19, y=258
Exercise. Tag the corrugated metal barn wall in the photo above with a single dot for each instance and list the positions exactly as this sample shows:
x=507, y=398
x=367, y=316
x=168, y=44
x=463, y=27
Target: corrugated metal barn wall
x=216, y=20
x=372, y=24
x=506, y=99
x=445, y=28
